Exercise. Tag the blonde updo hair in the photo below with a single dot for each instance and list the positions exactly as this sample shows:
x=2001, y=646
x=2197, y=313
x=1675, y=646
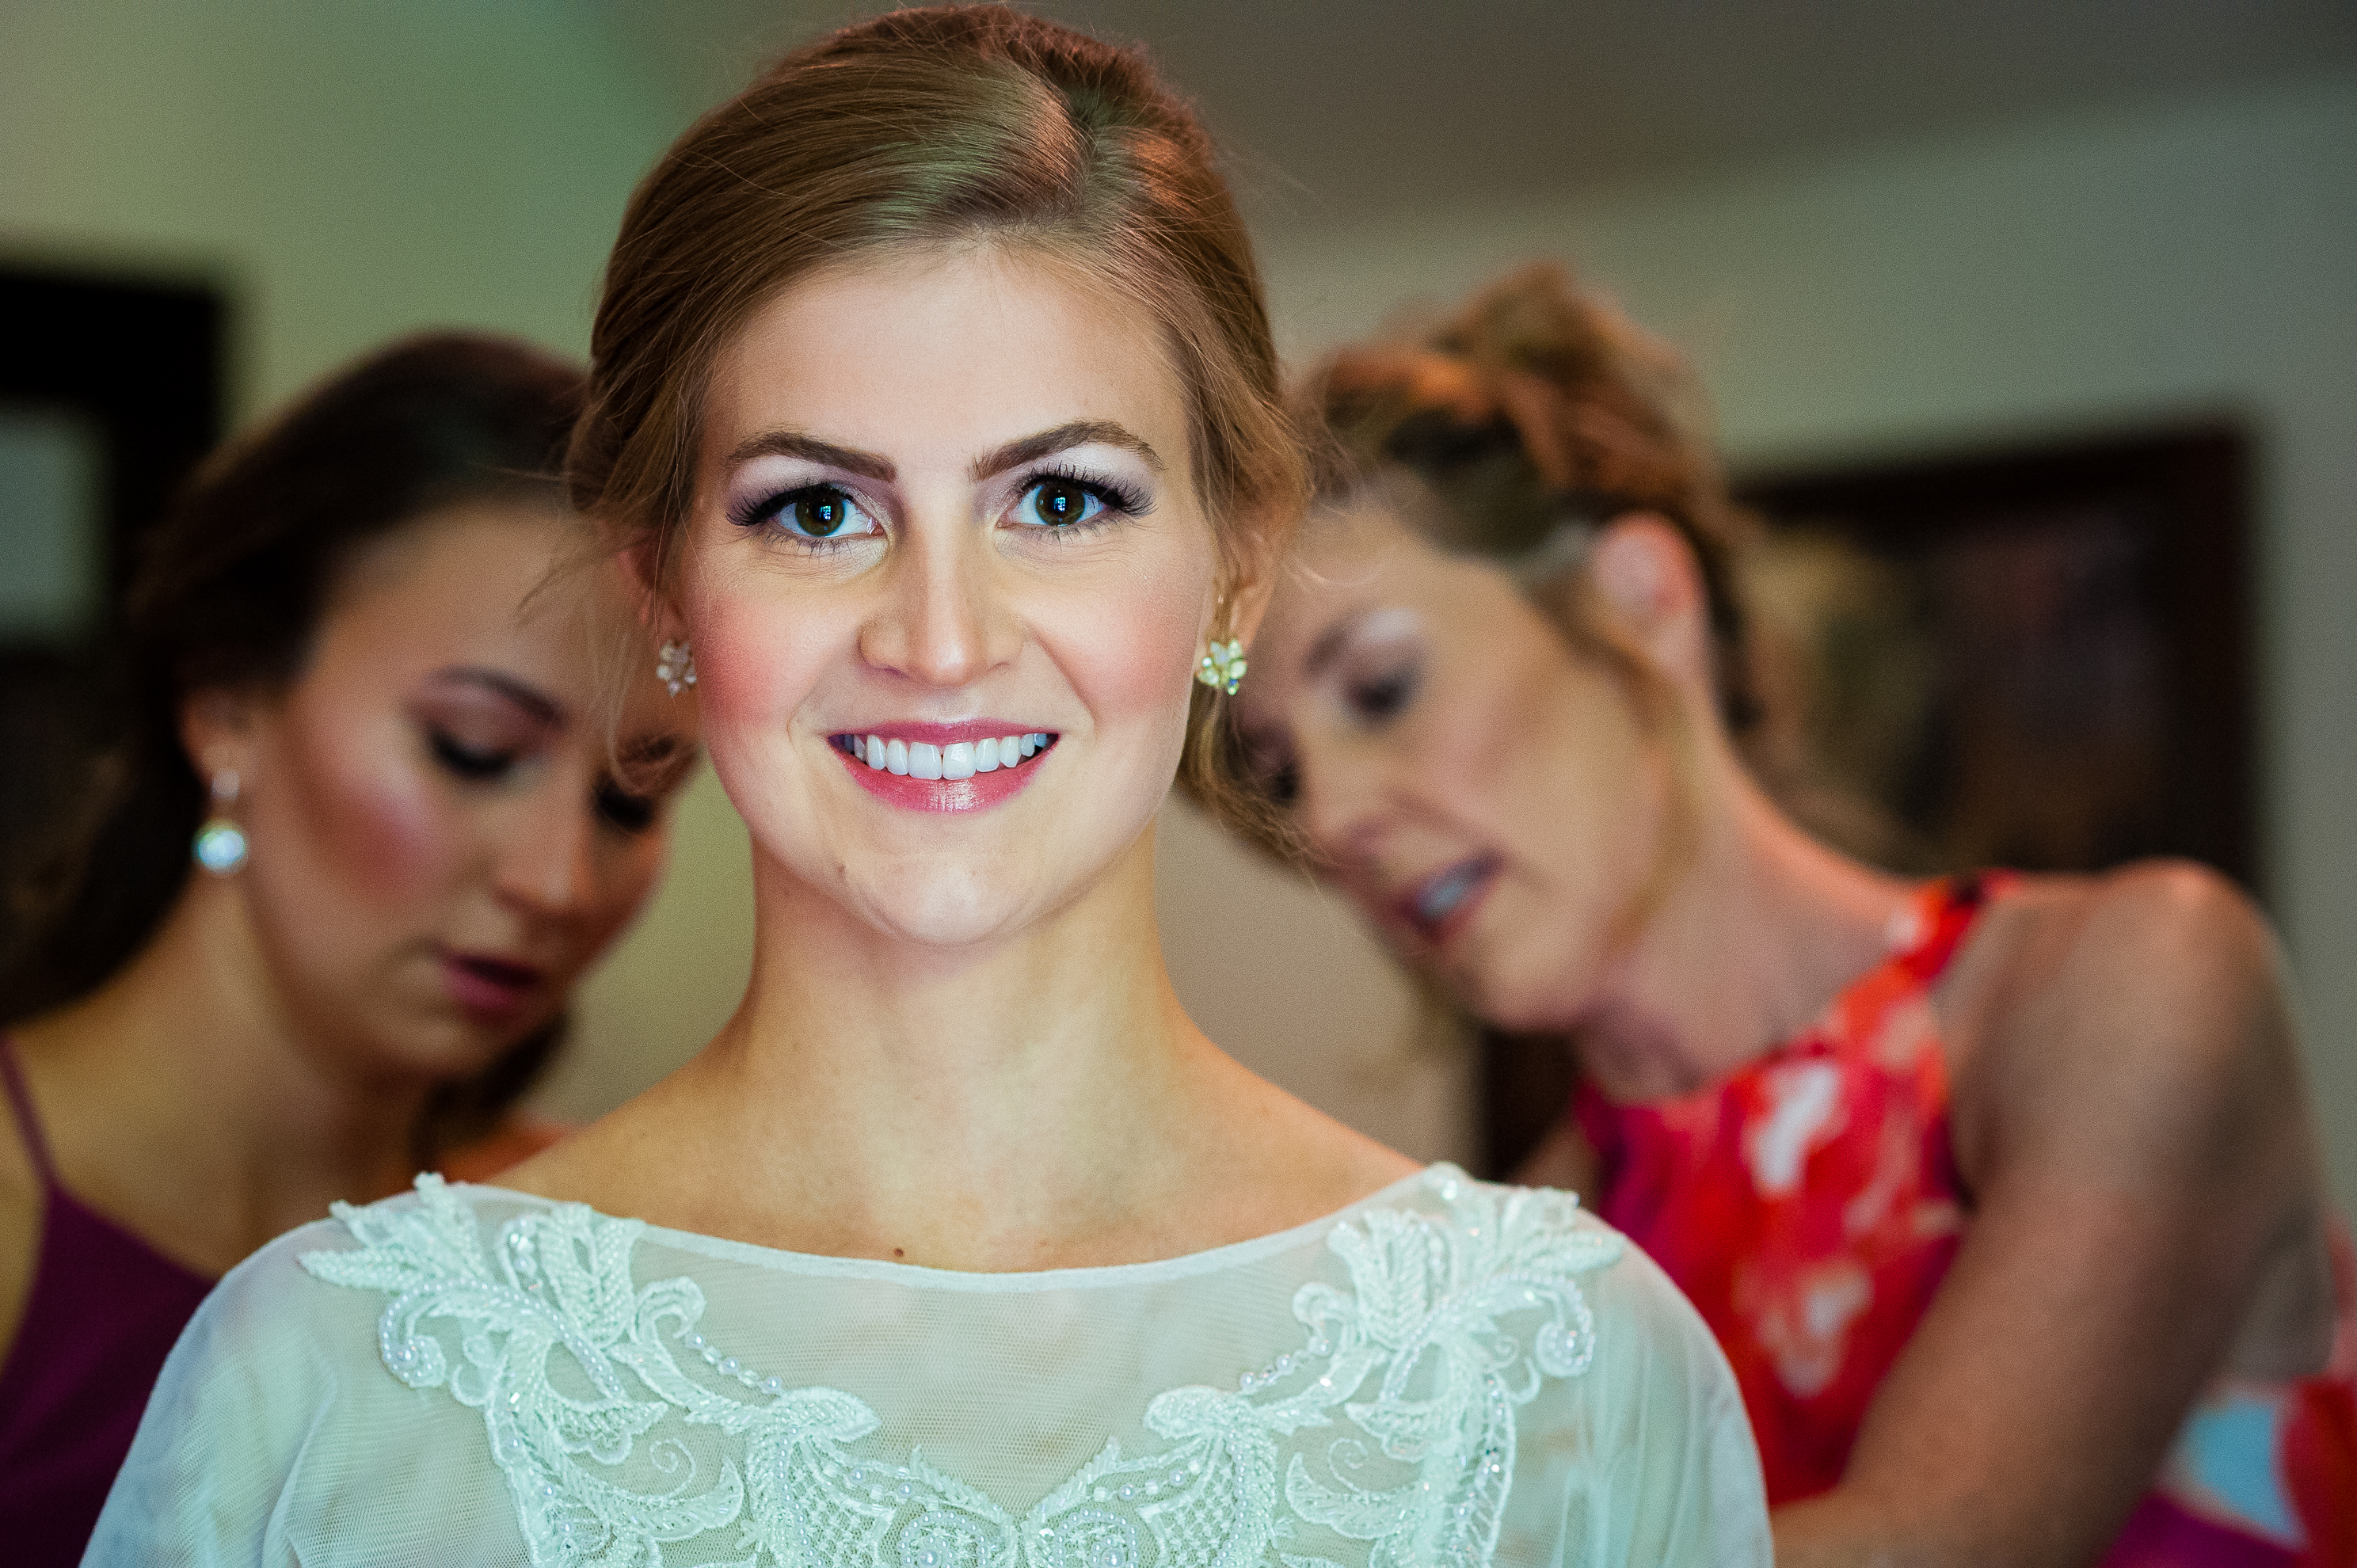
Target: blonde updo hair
x=1515, y=431
x=938, y=128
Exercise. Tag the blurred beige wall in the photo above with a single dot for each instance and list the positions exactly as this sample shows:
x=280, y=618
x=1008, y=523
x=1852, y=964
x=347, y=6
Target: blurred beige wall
x=348, y=171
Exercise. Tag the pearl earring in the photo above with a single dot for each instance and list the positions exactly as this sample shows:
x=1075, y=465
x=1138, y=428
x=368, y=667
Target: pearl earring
x=220, y=847
x=675, y=666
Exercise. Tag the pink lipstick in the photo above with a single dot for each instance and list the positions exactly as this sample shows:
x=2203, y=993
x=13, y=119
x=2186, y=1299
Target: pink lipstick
x=490, y=987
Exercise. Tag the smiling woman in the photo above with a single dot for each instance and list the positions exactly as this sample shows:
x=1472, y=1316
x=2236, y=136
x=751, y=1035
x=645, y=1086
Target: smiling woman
x=413, y=839
x=935, y=412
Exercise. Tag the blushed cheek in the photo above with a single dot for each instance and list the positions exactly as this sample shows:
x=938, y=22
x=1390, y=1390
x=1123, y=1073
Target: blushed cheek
x=371, y=818
x=751, y=662
x=755, y=664
x=1132, y=657
x=1481, y=747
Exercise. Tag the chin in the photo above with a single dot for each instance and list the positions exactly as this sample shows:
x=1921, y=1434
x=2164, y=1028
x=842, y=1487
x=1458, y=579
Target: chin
x=1520, y=1000
x=939, y=908
x=468, y=1047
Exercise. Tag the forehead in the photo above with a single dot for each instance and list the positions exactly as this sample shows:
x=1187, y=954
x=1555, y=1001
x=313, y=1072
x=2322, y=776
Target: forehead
x=975, y=345
x=467, y=583
x=1349, y=557
x=1360, y=558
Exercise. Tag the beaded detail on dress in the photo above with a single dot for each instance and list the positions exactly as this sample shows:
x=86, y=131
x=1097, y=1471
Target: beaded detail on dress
x=1390, y=1429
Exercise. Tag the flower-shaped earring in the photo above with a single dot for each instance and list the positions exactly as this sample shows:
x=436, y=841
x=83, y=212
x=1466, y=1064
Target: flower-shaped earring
x=675, y=666
x=1223, y=668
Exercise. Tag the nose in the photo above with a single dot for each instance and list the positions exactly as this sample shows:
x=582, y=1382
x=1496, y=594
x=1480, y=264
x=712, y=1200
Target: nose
x=943, y=618
x=544, y=866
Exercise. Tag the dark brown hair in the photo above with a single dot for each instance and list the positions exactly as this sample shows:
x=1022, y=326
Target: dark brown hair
x=937, y=128
x=228, y=593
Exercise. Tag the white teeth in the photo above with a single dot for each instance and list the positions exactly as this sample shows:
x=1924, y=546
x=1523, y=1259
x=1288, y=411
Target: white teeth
x=960, y=759
x=1443, y=893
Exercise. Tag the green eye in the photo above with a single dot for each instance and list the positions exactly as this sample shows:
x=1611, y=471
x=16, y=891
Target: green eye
x=811, y=511
x=821, y=512
x=1060, y=502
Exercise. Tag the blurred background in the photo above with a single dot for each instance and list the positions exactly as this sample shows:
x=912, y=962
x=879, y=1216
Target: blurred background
x=2034, y=327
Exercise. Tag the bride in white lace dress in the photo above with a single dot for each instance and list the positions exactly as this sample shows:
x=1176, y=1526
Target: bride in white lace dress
x=935, y=408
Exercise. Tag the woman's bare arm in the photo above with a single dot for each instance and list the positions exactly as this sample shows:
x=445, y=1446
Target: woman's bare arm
x=2129, y=1116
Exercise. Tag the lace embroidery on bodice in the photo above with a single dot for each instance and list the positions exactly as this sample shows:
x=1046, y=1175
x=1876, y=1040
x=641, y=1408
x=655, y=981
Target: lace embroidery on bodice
x=1393, y=1425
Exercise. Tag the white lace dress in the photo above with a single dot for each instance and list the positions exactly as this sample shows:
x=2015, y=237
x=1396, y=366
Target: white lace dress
x=1446, y=1373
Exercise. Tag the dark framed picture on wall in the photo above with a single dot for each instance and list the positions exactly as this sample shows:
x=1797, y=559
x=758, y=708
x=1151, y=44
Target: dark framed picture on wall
x=2037, y=658
x=111, y=392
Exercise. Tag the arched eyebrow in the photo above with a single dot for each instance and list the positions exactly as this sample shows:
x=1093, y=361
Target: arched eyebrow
x=794, y=444
x=535, y=705
x=1014, y=454
x=1328, y=647
x=1062, y=438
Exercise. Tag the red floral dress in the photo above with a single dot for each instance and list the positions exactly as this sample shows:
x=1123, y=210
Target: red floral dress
x=1810, y=1205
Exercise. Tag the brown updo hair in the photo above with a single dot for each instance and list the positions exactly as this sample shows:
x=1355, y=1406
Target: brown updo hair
x=937, y=128
x=1531, y=419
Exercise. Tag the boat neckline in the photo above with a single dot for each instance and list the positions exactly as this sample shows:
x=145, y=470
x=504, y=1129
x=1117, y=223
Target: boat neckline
x=1440, y=1176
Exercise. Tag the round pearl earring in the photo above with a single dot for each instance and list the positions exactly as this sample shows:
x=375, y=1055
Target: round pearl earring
x=220, y=847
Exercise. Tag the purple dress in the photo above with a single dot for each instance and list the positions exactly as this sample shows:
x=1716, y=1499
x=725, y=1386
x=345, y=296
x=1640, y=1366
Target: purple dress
x=103, y=1312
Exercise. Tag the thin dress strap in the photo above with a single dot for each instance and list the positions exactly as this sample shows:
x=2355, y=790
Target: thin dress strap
x=1943, y=914
x=21, y=1099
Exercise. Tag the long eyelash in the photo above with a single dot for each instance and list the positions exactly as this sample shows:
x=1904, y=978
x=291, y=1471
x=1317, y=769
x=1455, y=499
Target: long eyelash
x=1118, y=495
x=763, y=513
x=468, y=762
x=754, y=513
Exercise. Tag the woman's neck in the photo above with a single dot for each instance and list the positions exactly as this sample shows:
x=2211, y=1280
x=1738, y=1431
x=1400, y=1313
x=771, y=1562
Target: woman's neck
x=1757, y=933
x=1035, y=1102
x=181, y=1099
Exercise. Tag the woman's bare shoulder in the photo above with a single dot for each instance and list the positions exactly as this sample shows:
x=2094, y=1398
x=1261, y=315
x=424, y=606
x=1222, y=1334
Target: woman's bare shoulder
x=2151, y=994
x=2142, y=943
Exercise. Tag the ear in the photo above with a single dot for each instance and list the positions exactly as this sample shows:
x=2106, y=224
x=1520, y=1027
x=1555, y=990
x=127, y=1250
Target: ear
x=642, y=575
x=1252, y=562
x=1650, y=585
x=218, y=731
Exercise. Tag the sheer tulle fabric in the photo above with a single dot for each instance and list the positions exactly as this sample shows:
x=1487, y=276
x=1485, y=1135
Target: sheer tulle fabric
x=1448, y=1372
